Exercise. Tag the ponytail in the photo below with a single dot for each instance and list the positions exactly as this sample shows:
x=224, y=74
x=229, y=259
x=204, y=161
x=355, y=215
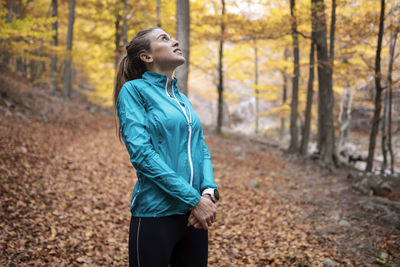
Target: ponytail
x=130, y=67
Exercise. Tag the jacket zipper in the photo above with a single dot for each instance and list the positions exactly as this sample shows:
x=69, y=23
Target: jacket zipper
x=189, y=120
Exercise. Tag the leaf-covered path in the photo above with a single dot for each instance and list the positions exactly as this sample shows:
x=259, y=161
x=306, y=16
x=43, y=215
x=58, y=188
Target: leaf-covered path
x=66, y=186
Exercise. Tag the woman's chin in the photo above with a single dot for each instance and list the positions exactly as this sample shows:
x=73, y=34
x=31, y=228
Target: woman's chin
x=180, y=61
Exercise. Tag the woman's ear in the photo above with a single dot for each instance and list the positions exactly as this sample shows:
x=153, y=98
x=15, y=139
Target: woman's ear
x=146, y=58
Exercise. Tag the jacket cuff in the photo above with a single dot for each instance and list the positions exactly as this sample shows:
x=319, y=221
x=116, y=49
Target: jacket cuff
x=208, y=191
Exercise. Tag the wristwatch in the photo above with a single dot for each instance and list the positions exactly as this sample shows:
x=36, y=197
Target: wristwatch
x=214, y=194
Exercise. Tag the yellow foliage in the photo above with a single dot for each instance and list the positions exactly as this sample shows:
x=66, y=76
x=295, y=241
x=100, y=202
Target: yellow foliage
x=94, y=51
x=283, y=111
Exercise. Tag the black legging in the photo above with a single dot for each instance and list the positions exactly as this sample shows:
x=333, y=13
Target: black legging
x=163, y=241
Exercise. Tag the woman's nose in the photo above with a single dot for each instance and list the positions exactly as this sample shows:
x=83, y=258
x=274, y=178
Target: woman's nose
x=176, y=42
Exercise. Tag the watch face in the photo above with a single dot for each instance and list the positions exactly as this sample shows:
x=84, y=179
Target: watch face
x=216, y=194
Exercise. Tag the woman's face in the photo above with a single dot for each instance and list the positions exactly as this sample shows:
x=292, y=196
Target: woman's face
x=165, y=51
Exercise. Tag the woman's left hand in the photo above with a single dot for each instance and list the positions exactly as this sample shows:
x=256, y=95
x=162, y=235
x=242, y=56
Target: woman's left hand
x=193, y=221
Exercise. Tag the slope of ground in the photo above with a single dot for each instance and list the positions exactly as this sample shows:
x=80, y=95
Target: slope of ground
x=66, y=183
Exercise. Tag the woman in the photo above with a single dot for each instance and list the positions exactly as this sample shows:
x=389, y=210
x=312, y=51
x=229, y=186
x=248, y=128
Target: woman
x=173, y=202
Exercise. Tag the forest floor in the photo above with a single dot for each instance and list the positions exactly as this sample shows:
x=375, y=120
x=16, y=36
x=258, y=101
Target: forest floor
x=66, y=183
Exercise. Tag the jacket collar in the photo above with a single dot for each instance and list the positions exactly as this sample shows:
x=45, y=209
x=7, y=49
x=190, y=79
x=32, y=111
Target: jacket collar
x=159, y=79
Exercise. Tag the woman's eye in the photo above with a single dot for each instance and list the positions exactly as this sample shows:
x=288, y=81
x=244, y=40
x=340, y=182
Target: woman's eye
x=165, y=38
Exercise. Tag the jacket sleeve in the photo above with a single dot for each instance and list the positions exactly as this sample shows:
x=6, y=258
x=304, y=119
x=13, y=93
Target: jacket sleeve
x=208, y=179
x=134, y=131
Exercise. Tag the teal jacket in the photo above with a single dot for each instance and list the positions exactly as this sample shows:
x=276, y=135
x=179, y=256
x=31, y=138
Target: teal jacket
x=165, y=141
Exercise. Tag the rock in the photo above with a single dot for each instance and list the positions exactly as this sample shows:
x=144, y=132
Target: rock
x=344, y=223
x=348, y=153
x=368, y=205
x=360, y=165
x=363, y=187
x=391, y=218
x=384, y=256
x=372, y=185
x=312, y=148
x=330, y=262
x=387, y=186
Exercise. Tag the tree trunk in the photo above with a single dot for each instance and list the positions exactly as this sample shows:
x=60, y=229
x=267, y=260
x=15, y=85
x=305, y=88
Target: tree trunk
x=332, y=66
x=393, y=39
x=6, y=56
x=390, y=146
x=25, y=67
x=284, y=95
x=344, y=117
x=125, y=24
x=68, y=59
x=385, y=119
x=31, y=73
x=307, y=115
x=378, y=76
x=183, y=36
x=325, y=93
x=10, y=11
x=221, y=73
x=37, y=70
x=158, y=13
x=38, y=65
x=117, y=39
x=383, y=139
x=294, y=132
x=19, y=67
x=332, y=35
x=18, y=9
x=256, y=85
x=53, y=64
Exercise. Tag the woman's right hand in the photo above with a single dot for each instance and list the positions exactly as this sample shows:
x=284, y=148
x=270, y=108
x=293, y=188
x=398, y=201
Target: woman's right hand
x=204, y=213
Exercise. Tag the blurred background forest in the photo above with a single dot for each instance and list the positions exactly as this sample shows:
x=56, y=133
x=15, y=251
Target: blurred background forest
x=318, y=76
